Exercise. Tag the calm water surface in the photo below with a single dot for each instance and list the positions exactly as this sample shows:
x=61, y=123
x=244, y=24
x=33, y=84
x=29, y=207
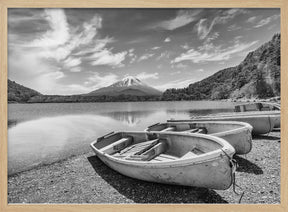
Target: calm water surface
x=45, y=133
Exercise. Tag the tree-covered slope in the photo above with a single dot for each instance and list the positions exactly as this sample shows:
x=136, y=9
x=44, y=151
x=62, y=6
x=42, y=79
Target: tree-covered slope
x=20, y=93
x=257, y=76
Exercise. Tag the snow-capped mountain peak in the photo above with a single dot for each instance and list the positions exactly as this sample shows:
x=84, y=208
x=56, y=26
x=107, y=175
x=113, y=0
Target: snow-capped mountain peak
x=127, y=82
x=127, y=86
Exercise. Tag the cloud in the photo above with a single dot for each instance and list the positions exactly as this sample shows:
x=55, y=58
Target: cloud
x=165, y=54
x=266, y=21
x=155, y=47
x=218, y=54
x=54, y=75
x=133, y=59
x=145, y=57
x=185, y=46
x=56, y=44
x=96, y=81
x=131, y=51
x=212, y=37
x=137, y=40
x=238, y=37
x=145, y=76
x=175, y=73
x=182, y=18
x=75, y=69
x=90, y=29
x=82, y=39
x=28, y=69
x=92, y=83
x=167, y=40
x=208, y=45
x=72, y=61
x=251, y=19
x=80, y=43
x=58, y=33
x=30, y=15
x=106, y=57
x=179, y=66
x=204, y=26
x=175, y=84
x=233, y=27
x=200, y=70
x=72, y=89
x=229, y=14
x=38, y=62
x=97, y=45
x=131, y=55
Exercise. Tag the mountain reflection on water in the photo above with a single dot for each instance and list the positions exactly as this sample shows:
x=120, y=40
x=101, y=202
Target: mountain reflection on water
x=197, y=113
x=57, y=132
x=129, y=118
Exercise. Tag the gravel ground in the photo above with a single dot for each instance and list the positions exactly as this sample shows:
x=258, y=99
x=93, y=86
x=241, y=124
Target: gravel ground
x=85, y=179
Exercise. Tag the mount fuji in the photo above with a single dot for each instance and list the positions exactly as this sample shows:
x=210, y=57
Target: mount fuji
x=127, y=86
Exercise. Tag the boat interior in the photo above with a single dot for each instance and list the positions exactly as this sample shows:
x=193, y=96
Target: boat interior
x=155, y=147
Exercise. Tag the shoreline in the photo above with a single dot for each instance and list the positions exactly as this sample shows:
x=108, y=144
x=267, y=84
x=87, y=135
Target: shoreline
x=85, y=179
x=240, y=100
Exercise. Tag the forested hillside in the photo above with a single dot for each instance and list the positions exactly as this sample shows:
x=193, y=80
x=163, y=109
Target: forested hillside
x=19, y=93
x=257, y=76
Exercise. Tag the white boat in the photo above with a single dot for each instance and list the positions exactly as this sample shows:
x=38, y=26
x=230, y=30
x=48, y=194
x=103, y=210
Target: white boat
x=258, y=108
x=261, y=123
x=166, y=157
x=238, y=134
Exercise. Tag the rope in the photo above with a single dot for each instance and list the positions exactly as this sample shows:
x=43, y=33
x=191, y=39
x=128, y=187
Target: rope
x=234, y=164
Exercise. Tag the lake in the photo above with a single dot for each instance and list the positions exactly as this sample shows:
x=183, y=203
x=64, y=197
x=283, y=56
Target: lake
x=41, y=134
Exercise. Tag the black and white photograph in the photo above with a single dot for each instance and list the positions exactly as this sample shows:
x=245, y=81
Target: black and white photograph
x=144, y=106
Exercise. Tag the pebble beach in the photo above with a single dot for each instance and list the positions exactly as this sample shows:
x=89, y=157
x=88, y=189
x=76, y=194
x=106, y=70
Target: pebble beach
x=85, y=179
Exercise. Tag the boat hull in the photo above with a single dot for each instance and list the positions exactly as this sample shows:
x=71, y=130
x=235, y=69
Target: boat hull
x=257, y=106
x=261, y=124
x=260, y=108
x=212, y=170
x=214, y=174
x=275, y=113
x=238, y=134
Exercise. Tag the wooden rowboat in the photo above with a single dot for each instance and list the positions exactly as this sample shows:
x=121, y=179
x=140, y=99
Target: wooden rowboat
x=166, y=157
x=238, y=134
x=261, y=123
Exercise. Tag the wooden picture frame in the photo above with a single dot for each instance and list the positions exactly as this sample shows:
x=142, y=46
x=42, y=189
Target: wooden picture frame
x=5, y=4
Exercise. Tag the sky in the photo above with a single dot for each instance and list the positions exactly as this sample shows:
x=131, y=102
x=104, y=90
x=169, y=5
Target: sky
x=75, y=51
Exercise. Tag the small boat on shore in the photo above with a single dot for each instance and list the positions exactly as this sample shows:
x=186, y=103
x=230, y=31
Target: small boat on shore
x=166, y=157
x=261, y=123
x=257, y=106
x=260, y=108
x=238, y=134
